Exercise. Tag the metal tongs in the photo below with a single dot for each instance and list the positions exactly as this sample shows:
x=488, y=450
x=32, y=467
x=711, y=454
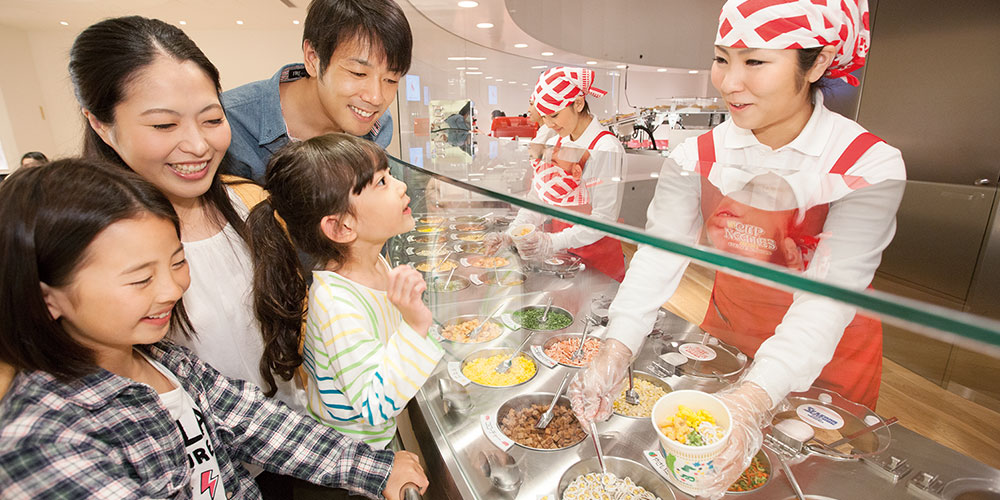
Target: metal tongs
x=583, y=340
x=546, y=417
x=631, y=397
x=475, y=331
x=545, y=314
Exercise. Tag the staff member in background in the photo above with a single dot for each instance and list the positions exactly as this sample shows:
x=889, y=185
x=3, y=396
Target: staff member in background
x=580, y=176
x=781, y=144
x=355, y=52
x=33, y=159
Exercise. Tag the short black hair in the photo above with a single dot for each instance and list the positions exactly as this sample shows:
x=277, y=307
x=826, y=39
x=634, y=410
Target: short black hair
x=52, y=213
x=379, y=23
x=35, y=155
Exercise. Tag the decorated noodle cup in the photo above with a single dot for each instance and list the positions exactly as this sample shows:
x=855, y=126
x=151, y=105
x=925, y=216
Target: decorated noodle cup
x=526, y=400
x=622, y=468
x=505, y=351
x=519, y=231
x=691, y=467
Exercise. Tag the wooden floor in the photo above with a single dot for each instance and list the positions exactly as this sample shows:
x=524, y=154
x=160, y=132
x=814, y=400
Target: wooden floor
x=920, y=405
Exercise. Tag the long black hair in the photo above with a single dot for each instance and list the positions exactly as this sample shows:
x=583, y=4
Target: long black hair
x=107, y=57
x=50, y=215
x=306, y=182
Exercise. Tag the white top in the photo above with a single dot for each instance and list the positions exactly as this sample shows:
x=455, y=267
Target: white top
x=206, y=481
x=603, y=173
x=219, y=303
x=364, y=362
x=859, y=226
x=543, y=135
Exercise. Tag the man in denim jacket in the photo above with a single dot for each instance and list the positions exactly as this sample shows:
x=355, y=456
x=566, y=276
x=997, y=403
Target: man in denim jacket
x=355, y=52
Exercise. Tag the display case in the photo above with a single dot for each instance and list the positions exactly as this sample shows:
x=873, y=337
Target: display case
x=475, y=425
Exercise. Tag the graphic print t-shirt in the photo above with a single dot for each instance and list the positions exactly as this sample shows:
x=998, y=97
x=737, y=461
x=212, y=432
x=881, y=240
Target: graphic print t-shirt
x=206, y=483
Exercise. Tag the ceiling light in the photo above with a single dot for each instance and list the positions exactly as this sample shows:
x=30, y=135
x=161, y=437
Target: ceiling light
x=460, y=68
x=547, y=53
x=499, y=79
x=239, y=22
x=295, y=21
x=520, y=45
x=484, y=25
x=512, y=82
x=661, y=70
x=64, y=23
x=468, y=4
x=622, y=66
x=473, y=72
x=525, y=84
x=539, y=67
x=473, y=68
x=466, y=58
x=693, y=72
x=182, y=23
x=591, y=62
x=488, y=77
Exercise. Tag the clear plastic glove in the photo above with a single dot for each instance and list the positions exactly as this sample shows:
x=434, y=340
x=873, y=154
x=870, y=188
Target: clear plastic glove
x=751, y=409
x=536, y=245
x=493, y=242
x=595, y=387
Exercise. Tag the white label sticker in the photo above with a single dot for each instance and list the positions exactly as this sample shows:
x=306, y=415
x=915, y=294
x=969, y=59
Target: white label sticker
x=554, y=261
x=818, y=416
x=475, y=279
x=657, y=462
x=536, y=350
x=697, y=352
x=464, y=261
x=493, y=433
x=455, y=370
x=508, y=320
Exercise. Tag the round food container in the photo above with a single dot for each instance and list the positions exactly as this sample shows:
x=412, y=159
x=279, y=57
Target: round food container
x=429, y=228
x=972, y=489
x=691, y=466
x=529, y=318
x=455, y=329
x=428, y=251
x=470, y=247
x=428, y=219
x=427, y=239
x=499, y=278
x=464, y=227
x=437, y=284
x=561, y=347
x=621, y=468
x=432, y=266
x=474, y=236
x=649, y=388
x=833, y=417
x=521, y=413
x=699, y=355
x=483, y=262
x=480, y=368
x=470, y=219
x=754, y=477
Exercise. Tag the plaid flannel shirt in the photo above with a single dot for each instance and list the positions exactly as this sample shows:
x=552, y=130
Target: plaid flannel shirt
x=105, y=436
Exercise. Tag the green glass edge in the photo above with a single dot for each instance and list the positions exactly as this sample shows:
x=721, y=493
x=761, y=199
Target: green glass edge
x=979, y=329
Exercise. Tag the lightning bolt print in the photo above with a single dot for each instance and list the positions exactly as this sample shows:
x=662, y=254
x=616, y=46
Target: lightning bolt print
x=208, y=483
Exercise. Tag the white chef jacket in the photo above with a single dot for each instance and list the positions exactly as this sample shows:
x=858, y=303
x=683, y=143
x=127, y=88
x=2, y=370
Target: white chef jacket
x=603, y=173
x=858, y=227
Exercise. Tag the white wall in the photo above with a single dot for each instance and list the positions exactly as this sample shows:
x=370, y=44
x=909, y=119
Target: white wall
x=23, y=127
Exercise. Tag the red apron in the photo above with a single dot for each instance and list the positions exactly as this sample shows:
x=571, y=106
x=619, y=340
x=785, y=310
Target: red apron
x=745, y=314
x=605, y=254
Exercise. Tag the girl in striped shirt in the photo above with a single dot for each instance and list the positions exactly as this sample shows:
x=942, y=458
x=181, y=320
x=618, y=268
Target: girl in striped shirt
x=365, y=346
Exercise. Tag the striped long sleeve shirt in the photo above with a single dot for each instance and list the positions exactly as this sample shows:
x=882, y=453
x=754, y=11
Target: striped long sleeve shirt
x=363, y=360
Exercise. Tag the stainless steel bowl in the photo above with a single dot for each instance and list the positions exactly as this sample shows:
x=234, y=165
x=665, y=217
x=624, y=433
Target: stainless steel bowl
x=427, y=239
x=456, y=284
x=506, y=277
x=765, y=463
x=525, y=401
x=472, y=261
x=435, y=267
x=469, y=247
x=622, y=468
x=466, y=235
x=554, y=309
x=652, y=379
x=430, y=229
x=564, y=336
x=486, y=353
x=467, y=317
x=470, y=226
x=429, y=219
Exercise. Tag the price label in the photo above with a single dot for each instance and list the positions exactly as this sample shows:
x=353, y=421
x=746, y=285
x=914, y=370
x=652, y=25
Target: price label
x=465, y=262
x=697, y=352
x=509, y=322
x=658, y=463
x=536, y=350
x=455, y=371
x=475, y=279
x=492, y=432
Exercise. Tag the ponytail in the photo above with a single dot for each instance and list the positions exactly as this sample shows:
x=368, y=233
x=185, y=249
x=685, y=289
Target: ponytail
x=279, y=293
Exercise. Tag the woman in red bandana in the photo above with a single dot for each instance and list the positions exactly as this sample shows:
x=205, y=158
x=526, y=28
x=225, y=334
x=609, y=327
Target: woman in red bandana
x=785, y=181
x=583, y=174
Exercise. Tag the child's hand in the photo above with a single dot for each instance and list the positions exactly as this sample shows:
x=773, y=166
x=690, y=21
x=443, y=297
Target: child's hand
x=405, y=288
x=405, y=469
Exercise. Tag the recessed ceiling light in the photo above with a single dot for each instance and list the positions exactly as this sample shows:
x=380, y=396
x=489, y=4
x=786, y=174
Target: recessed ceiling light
x=484, y=25
x=488, y=77
x=473, y=68
x=693, y=72
x=525, y=84
x=295, y=21
x=499, y=79
x=512, y=82
x=621, y=66
x=473, y=72
x=466, y=58
x=182, y=23
x=239, y=22
x=661, y=70
x=539, y=67
x=64, y=23
x=591, y=62
x=520, y=45
x=468, y=4
x=547, y=53
x=460, y=68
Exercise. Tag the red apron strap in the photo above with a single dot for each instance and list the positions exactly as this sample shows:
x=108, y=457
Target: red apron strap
x=858, y=147
x=706, y=152
x=594, y=142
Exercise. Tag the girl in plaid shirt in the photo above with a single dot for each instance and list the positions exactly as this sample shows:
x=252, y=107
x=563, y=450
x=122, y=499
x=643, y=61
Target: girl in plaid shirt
x=102, y=406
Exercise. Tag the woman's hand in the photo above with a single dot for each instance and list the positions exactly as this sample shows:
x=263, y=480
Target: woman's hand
x=536, y=245
x=595, y=388
x=405, y=469
x=406, y=287
x=750, y=407
x=493, y=242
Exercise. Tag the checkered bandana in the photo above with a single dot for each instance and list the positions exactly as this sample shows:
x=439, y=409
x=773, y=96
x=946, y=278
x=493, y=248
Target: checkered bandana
x=558, y=87
x=800, y=24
